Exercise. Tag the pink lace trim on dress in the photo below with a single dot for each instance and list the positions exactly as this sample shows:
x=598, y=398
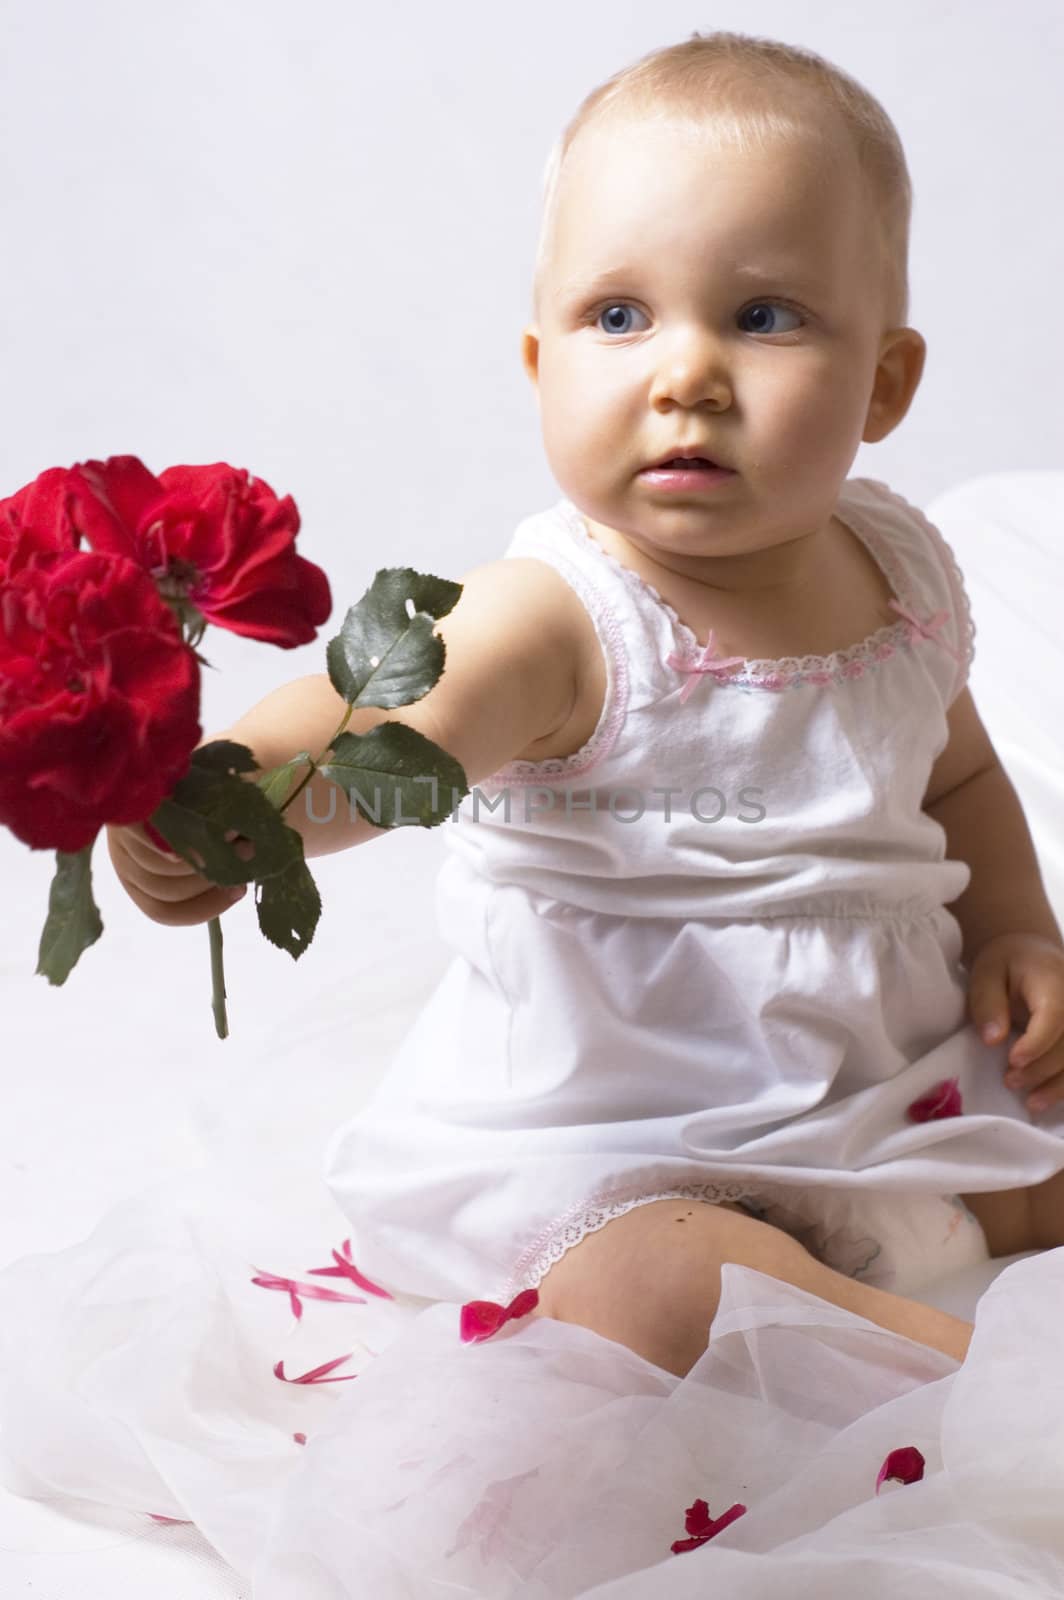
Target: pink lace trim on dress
x=955, y=582
x=788, y=672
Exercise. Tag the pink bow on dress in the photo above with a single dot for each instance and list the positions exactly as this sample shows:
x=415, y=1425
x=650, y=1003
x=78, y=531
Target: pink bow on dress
x=927, y=628
x=708, y=661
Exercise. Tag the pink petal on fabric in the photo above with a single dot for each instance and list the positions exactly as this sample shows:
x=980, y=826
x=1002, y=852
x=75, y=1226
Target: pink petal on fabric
x=300, y=1438
x=316, y=1373
x=698, y=1522
x=310, y=1291
x=182, y=1522
x=905, y=1464
x=943, y=1100
x=345, y=1268
x=481, y=1318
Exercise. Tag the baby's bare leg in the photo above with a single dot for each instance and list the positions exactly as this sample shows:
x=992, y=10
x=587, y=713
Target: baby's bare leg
x=650, y=1279
x=894, y=1312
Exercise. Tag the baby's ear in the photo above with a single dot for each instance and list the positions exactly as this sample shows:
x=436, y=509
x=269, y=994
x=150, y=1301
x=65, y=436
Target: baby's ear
x=530, y=354
x=902, y=353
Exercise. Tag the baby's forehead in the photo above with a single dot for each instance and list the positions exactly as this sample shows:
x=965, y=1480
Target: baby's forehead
x=628, y=182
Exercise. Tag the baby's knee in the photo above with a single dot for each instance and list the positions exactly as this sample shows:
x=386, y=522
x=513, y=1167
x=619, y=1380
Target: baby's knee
x=650, y=1279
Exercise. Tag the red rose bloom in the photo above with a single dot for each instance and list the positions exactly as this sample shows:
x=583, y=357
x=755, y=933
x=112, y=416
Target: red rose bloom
x=99, y=698
x=36, y=519
x=212, y=537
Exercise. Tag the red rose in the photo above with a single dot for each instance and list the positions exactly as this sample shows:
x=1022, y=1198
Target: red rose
x=36, y=519
x=99, y=698
x=212, y=538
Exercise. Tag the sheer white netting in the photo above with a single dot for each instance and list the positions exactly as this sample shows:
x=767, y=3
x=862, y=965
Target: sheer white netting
x=544, y=1462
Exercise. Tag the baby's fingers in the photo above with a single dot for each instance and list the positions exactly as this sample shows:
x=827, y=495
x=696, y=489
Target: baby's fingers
x=130, y=842
x=1045, y=1076
x=167, y=889
x=201, y=905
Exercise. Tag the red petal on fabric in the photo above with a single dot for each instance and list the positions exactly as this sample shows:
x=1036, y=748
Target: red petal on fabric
x=942, y=1100
x=481, y=1318
x=906, y=1464
x=523, y=1303
x=697, y=1519
x=345, y=1268
x=732, y=1514
x=297, y=1308
x=310, y=1291
x=300, y=1438
x=698, y=1522
x=315, y=1375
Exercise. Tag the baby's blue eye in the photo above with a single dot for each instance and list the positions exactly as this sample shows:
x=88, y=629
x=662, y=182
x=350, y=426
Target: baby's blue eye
x=607, y=310
x=774, y=306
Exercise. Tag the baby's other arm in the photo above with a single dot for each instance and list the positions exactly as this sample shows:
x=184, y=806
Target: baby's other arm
x=509, y=678
x=971, y=796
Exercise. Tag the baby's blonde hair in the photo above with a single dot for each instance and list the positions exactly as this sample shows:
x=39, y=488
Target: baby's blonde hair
x=746, y=93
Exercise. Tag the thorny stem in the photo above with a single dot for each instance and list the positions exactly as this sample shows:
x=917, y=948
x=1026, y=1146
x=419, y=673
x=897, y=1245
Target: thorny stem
x=214, y=927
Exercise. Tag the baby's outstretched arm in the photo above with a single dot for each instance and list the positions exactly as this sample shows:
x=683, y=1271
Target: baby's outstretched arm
x=1013, y=947
x=509, y=679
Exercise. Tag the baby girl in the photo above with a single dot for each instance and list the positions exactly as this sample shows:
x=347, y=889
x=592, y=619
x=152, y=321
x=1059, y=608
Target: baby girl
x=707, y=1003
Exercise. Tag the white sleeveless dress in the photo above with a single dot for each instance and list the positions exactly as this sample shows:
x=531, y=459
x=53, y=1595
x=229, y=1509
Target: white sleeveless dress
x=708, y=956
x=745, y=1007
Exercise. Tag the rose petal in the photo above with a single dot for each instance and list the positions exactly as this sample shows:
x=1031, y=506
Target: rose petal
x=310, y=1291
x=345, y=1268
x=942, y=1100
x=315, y=1375
x=698, y=1522
x=905, y=1464
x=481, y=1318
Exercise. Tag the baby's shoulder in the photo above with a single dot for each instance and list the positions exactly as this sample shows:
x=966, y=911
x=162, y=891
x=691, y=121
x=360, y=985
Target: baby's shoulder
x=887, y=512
x=528, y=597
x=531, y=596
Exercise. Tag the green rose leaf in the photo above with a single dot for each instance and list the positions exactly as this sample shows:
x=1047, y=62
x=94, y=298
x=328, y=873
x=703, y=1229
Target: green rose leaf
x=394, y=769
x=73, y=921
x=212, y=800
x=276, y=784
x=289, y=906
x=386, y=653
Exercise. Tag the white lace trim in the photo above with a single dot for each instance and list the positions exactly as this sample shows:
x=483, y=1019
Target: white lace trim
x=786, y=672
x=588, y=1217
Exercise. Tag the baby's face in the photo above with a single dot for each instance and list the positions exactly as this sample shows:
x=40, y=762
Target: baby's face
x=742, y=314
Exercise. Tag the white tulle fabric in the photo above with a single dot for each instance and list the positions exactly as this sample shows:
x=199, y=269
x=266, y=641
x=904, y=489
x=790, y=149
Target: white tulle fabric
x=544, y=1462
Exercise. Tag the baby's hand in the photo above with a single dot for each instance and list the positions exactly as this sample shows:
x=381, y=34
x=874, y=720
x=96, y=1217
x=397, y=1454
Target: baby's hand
x=1023, y=967
x=164, y=886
